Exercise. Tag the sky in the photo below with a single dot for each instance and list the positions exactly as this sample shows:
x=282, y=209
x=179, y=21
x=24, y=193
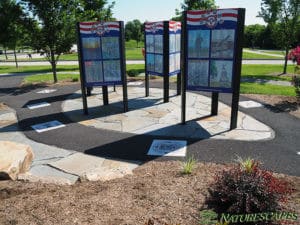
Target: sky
x=156, y=10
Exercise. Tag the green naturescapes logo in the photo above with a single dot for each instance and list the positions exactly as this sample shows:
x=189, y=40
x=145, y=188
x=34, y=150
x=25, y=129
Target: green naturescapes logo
x=258, y=217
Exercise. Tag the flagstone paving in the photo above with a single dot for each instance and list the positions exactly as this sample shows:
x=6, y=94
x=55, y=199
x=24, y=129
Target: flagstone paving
x=149, y=115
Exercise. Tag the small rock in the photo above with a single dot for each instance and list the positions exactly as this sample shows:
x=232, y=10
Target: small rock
x=15, y=158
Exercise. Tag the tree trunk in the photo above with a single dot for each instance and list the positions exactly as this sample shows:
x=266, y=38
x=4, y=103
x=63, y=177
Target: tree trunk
x=16, y=60
x=285, y=60
x=5, y=53
x=53, y=64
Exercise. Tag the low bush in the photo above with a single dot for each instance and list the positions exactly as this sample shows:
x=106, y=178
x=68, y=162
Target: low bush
x=296, y=83
x=189, y=165
x=245, y=188
x=135, y=72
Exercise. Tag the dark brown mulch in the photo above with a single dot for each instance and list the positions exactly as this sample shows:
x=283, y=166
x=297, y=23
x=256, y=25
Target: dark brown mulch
x=156, y=192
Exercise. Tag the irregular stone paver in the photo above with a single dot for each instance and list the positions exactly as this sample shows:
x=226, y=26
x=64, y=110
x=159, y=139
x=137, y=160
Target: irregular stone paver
x=78, y=163
x=94, y=168
x=47, y=174
x=41, y=169
x=149, y=115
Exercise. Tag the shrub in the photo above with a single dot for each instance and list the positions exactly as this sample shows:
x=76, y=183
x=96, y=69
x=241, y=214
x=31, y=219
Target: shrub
x=189, y=165
x=134, y=72
x=239, y=190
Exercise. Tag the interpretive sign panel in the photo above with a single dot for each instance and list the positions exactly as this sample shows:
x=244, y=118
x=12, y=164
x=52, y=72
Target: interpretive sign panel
x=211, y=49
x=156, y=47
x=174, y=47
x=100, y=48
x=101, y=55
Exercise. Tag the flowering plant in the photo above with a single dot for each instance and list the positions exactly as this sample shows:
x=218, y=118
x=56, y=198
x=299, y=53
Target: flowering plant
x=295, y=55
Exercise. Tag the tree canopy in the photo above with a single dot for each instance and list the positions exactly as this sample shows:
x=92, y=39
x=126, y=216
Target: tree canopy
x=134, y=31
x=57, y=19
x=283, y=17
x=194, y=5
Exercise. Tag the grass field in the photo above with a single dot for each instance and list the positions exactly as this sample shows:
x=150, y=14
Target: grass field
x=248, y=71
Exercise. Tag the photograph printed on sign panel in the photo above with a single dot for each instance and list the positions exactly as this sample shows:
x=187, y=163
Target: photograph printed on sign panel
x=150, y=62
x=110, y=47
x=91, y=48
x=150, y=43
x=112, y=70
x=158, y=44
x=177, y=61
x=172, y=63
x=93, y=71
x=158, y=63
x=221, y=73
x=178, y=43
x=172, y=43
x=222, y=44
x=198, y=72
x=198, y=43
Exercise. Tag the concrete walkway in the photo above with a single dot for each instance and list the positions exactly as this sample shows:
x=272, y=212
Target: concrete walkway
x=263, y=53
x=56, y=165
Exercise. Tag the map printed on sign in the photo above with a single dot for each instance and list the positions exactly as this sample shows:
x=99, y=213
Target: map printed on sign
x=174, y=47
x=210, y=45
x=100, y=49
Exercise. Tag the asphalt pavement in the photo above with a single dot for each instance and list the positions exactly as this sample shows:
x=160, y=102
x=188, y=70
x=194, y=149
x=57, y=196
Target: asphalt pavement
x=279, y=154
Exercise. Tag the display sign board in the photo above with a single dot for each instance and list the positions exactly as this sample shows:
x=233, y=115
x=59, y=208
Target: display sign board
x=211, y=49
x=156, y=50
x=100, y=49
x=174, y=47
x=154, y=47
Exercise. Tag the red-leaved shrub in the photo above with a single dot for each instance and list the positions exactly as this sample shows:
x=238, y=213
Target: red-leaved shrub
x=243, y=191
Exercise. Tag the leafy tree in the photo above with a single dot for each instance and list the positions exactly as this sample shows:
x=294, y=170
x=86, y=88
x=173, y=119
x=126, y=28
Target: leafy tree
x=96, y=10
x=12, y=25
x=283, y=16
x=254, y=35
x=134, y=31
x=194, y=5
x=57, y=18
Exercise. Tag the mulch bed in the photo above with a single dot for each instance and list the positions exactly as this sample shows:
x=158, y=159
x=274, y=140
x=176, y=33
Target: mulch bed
x=157, y=191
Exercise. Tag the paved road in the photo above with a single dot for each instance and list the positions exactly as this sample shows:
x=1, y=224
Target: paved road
x=45, y=63
x=279, y=154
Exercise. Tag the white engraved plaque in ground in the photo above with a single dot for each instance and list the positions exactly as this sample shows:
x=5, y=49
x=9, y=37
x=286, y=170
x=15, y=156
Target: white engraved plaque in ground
x=46, y=91
x=168, y=148
x=38, y=105
x=250, y=104
x=51, y=125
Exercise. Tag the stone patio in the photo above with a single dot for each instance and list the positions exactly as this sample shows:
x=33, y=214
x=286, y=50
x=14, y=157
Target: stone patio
x=149, y=115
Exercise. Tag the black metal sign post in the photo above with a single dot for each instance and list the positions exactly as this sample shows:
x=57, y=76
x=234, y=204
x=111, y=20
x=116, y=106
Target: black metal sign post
x=166, y=68
x=237, y=69
x=83, y=90
x=146, y=69
x=123, y=66
x=214, y=103
x=183, y=68
x=105, y=95
x=178, y=83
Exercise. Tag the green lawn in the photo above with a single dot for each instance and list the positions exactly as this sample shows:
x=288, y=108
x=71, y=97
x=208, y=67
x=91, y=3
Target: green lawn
x=252, y=71
x=265, y=72
x=37, y=69
x=267, y=89
x=46, y=78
